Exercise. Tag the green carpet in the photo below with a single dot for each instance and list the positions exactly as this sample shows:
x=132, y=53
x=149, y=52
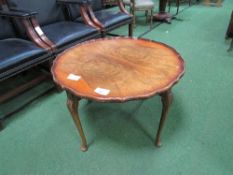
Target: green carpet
x=197, y=138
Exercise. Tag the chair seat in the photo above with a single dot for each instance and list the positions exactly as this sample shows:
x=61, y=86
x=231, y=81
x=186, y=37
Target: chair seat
x=141, y=4
x=63, y=33
x=15, y=52
x=127, y=2
x=144, y=4
x=111, y=18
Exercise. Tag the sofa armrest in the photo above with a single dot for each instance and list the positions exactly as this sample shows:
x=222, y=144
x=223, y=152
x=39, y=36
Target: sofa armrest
x=13, y=13
x=122, y=7
x=31, y=25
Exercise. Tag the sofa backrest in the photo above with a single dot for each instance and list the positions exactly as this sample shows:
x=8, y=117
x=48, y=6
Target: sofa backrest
x=7, y=30
x=48, y=10
x=97, y=5
x=74, y=11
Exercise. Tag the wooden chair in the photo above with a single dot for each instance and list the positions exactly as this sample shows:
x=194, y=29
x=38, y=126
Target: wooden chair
x=140, y=5
x=19, y=54
x=105, y=19
x=52, y=25
x=34, y=35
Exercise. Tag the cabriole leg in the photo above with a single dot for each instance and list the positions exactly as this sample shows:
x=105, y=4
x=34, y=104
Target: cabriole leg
x=166, y=98
x=72, y=104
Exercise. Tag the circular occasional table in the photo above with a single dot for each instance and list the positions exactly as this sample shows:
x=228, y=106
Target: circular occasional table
x=117, y=70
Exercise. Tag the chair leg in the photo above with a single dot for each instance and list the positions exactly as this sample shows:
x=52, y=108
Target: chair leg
x=231, y=46
x=177, y=6
x=151, y=18
x=1, y=125
x=169, y=5
x=130, y=29
x=103, y=34
x=146, y=13
x=190, y=2
x=134, y=18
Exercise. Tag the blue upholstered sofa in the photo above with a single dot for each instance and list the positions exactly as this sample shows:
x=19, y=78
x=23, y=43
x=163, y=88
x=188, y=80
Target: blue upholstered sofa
x=35, y=31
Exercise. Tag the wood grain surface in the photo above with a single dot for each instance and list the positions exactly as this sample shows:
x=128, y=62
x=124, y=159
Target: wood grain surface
x=121, y=68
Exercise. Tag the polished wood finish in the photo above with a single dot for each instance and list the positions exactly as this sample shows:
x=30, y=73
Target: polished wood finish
x=127, y=68
x=72, y=104
x=86, y=17
x=41, y=34
x=122, y=7
x=32, y=34
x=166, y=98
x=98, y=24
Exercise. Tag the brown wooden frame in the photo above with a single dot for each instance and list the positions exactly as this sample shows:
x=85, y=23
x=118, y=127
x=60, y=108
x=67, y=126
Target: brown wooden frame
x=35, y=33
x=98, y=24
x=39, y=40
x=73, y=97
x=133, y=10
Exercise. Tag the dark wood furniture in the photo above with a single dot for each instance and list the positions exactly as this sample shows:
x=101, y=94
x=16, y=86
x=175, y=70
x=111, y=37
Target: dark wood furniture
x=229, y=33
x=177, y=4
x=162, y=15
x=52, y=25
x=106, y=19
x=1, y=124
x=114, y=72
x=35, y=35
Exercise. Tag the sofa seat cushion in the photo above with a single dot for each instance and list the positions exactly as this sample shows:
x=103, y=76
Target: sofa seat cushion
x=15, y=52
x=65, y=32
x=112, y=18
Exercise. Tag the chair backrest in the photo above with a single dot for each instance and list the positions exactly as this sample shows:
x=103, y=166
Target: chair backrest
x=48, y=10
x=7, y=30
x=97, y=5
x=74, y=9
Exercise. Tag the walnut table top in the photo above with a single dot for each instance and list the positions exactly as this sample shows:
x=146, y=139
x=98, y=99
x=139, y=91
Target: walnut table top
x=118, y=69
